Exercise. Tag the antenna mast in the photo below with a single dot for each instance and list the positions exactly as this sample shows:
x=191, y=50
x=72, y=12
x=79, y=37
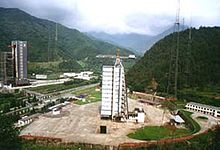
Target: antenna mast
x=56, y=39
x=177, y=48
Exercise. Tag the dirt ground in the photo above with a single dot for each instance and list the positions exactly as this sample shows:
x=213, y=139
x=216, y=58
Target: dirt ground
x=205, y=124
x=81, y=123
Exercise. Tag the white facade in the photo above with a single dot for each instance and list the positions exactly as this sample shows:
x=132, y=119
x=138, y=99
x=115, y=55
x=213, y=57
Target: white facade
x=56, y=111
x=141, y=117
x=205, y=109
x=69, y=74
x=27, y=120
x=132, y=56
x=114, y=101
x=85, y=75
x=41, y=76
x=24, y=121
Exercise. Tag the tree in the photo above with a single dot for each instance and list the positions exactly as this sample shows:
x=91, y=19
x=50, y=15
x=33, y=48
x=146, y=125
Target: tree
x=9, y=139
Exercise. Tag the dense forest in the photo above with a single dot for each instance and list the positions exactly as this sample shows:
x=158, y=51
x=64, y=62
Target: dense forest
x=40, y=34
x=198, y=65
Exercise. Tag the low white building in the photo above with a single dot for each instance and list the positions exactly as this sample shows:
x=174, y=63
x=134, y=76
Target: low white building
x=56, y=111
x=137, y=116
x=69, y=74
x=41, y=76
x=205, y=109
x=85, y=75
x=26, y=120
x=176, y=119
x=132, y=56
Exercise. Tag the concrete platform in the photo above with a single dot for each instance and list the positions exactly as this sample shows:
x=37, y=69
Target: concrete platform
x=83, y=122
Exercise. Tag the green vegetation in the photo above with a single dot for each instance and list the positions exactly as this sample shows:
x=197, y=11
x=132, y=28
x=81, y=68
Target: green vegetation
x=207, y=141
x=8, y=101
x=190, y=123
x=8, y=134
x=72, y=45
x=207, y=95
x=163, y=132
x=91, y=95
x=202, y=118
x=199, y=65
x=158, y=132
x=59, y=87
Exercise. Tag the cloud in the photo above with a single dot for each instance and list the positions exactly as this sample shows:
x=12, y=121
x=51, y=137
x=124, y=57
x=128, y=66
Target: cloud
x=121, y=16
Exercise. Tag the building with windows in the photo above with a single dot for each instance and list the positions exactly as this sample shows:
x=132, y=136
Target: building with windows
x=205, y=109
x=114, y=96
x=19, y=53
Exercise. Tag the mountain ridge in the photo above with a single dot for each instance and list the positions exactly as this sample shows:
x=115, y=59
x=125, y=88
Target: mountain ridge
x=202, y=57
x=40, y=34
x=138, y=43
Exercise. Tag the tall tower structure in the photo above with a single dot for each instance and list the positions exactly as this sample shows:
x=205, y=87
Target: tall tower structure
x=19, y=53
x=114, y=96
x=172, y=85
x=7, y=68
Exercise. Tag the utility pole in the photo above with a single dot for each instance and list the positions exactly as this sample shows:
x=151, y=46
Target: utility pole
x=48, y=47
x=177, y=48
x=56, y=39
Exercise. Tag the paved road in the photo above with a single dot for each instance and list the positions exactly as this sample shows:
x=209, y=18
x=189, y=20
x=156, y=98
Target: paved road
x=42, y=83
x=54, y=96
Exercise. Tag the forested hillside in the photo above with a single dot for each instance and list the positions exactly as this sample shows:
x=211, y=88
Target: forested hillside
x=199, y=61
x=40, y=34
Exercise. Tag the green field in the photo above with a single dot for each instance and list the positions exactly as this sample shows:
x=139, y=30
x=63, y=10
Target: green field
x=163, y=132
x=158, y=132
x=92, y=96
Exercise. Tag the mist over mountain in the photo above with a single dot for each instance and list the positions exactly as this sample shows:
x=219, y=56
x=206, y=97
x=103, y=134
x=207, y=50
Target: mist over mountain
x=138, y=43
x=40, y=34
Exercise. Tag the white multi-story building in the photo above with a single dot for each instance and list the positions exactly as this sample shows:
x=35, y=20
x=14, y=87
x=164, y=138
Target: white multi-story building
x=114, y=97
x=205, y=109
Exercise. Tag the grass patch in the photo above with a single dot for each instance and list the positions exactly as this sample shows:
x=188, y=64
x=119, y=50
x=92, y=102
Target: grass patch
x=92, y=96
x=202, y=118
x=207, y=141
x=190, y=123
x=163, y=132
x=158, y=132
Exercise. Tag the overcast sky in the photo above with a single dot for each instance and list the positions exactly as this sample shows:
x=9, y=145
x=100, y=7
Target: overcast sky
x=121, y=16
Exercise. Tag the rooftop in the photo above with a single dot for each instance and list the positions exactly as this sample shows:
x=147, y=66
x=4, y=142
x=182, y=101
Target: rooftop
x=178, y=119
x=203, y=105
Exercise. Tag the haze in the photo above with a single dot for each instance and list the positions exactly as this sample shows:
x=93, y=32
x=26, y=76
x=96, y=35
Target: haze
x=121, y=16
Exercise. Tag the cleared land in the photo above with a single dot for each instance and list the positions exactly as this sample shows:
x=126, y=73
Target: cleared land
x=82, y=124
x=90, y=95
